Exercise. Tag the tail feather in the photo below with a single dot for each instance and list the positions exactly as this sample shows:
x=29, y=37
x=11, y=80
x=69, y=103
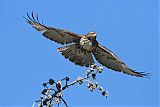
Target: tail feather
x=88, y=59
x=68, y=52
x=76, y=55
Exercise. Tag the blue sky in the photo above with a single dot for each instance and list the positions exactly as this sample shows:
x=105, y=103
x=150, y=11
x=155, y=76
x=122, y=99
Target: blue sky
x=27, y=59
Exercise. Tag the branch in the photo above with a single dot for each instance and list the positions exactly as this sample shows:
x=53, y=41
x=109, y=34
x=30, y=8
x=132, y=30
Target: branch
x=52, y=92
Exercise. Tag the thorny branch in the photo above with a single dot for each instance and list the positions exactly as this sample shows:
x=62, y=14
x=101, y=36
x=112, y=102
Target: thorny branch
x=52, y=92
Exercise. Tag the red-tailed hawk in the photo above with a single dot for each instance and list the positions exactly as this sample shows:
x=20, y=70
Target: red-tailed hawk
x=82, y=48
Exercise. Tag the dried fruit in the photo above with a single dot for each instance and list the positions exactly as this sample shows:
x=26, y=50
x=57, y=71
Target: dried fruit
x=51, y=81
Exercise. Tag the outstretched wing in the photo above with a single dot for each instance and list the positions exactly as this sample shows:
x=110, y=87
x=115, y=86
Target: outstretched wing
x=57, y=35
x=110, y=60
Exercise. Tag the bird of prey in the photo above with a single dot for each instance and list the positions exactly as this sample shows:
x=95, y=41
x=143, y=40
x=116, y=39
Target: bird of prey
x=82, y=48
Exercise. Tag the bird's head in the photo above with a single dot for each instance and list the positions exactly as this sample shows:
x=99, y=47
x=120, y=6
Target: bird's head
x=92, y=34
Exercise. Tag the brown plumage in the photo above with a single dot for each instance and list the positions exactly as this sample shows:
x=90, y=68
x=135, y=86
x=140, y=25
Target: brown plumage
x=82, y=48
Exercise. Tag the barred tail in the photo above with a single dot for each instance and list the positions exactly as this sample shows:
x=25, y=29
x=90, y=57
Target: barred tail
x=76, y=55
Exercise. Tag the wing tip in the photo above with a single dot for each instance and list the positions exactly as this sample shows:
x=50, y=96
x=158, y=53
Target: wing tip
x=33, y=20
x=145, y=74
x=141, y=74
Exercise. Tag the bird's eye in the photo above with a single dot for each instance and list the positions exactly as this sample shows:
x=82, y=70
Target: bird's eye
x=93, y=33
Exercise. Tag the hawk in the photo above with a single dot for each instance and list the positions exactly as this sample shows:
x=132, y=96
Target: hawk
x=81, y=48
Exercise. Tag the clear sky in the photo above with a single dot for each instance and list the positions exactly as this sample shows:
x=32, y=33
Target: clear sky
x=27, y=59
